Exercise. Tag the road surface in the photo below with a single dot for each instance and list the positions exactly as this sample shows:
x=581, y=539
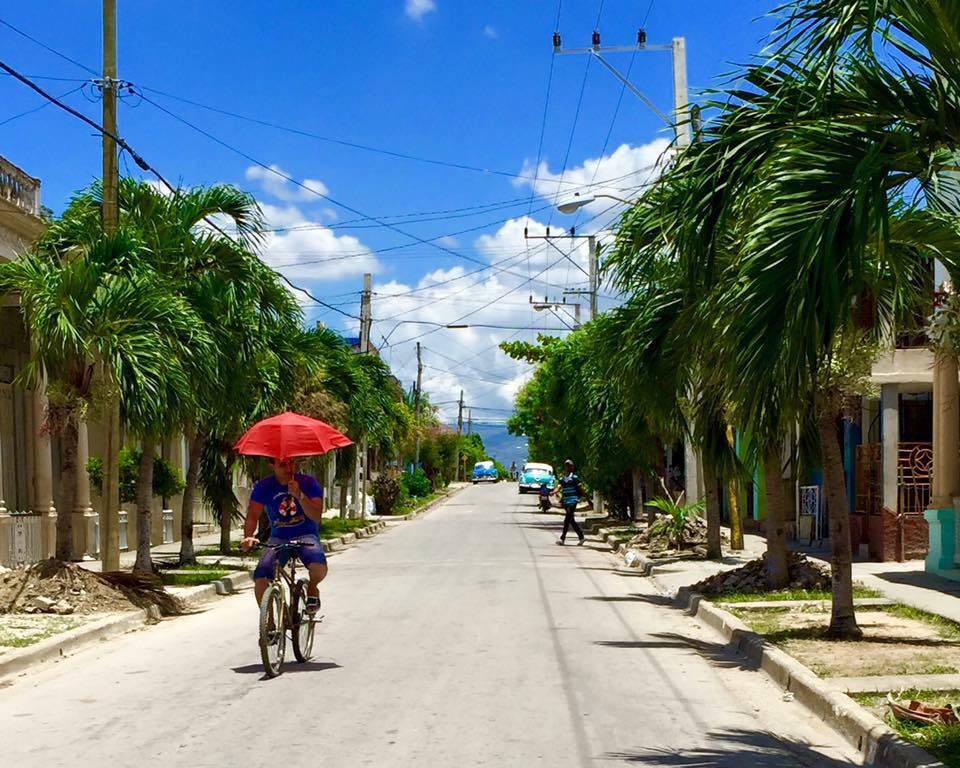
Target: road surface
x=464, y=638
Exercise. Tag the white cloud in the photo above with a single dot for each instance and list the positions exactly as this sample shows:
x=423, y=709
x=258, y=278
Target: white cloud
x=275, y=185
x=449, y=241
x=624, y=173
x=491, y=32
x=470, y=358
x=308, y=250
x=417, y=9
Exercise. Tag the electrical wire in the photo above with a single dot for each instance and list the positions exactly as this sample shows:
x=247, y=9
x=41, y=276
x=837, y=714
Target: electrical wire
x=312, y=190
x=144, y=165
x=42, y=106
x=341, y=142
x=48, y=48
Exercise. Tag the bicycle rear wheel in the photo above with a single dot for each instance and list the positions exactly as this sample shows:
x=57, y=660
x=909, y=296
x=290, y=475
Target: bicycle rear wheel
x=301, y=624
x=273, y=638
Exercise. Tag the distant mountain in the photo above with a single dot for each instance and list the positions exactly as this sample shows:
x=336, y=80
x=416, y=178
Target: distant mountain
x=502, y=446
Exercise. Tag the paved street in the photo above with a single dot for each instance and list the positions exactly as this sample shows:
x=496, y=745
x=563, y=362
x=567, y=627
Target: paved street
x=466, y=637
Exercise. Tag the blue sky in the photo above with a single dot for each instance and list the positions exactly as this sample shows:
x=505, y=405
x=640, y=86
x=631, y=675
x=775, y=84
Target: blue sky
x=460, y=82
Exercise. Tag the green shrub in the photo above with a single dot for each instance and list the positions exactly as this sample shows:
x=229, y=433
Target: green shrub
x=167, y=480
x=417, y=484
x=388, y=493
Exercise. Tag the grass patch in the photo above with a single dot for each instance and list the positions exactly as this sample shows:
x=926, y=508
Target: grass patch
x=948, y=629
x=20, y=631
x=413, y=504
x=943, y=742
x=215, y=552
x=791, y=594
x=193, y=578
x=217, y=566
x=332, y=527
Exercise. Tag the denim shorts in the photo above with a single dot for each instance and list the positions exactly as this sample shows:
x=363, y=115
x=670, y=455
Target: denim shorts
x=308, y=556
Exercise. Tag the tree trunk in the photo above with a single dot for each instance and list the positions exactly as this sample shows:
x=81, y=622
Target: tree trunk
x=778, y=572
x=69, y=444
x=636, y=486
x=736, y=524
x=843, y=621
x=714, y=550
x=144, y=562
x=195, y=442
x=226, y=523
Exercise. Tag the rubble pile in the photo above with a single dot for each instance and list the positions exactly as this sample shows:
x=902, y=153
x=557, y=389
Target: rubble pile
x=752, y=577
x=56, y=587
x=658, y=543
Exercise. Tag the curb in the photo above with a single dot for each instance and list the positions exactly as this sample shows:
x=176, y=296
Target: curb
x=340, y=543
x=55, y=648
x=425, y=508
x=876, y=741
x=59, y=646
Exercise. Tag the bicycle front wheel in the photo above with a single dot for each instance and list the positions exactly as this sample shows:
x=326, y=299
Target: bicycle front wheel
x=273, y=638
x=301, y=623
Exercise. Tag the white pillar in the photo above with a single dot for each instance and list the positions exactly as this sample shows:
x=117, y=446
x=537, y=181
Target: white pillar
x=890, y=403
x=680, y=97
x=693, y=476
x=83, y=507
x=42, y=502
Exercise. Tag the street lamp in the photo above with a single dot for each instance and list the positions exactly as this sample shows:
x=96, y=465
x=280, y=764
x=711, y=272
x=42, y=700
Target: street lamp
x=578, y=201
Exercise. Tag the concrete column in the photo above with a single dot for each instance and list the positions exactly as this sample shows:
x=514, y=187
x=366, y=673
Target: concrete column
x=42, y=502
x=945, y=484
x=175, y=454
x=83, y=514
x=890, y=403
x=946, y=432
x=693, y=476
x=5, y=523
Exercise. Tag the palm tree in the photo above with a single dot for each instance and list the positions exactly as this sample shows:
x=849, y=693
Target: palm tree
x=808, y=173
x=84, y=303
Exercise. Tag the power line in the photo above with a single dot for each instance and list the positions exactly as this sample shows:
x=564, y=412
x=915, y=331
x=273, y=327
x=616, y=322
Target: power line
x=144, y=165
x=340, y=142
x=48, y=48
x=42, y=106
x=312, y=190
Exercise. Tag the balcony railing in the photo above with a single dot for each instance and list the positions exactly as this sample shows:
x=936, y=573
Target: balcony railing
x=19, y=188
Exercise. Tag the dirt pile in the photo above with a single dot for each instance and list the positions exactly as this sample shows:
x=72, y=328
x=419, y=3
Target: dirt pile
x=659, y=543
x=752, y=577
x=52, y=586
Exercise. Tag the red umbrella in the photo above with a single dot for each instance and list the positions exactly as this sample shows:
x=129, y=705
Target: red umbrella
x=289, y=435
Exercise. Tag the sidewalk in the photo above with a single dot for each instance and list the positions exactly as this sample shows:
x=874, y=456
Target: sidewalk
x=906, y=583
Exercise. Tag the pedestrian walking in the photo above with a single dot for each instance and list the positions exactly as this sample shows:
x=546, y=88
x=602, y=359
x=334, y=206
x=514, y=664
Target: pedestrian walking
x=570, y=490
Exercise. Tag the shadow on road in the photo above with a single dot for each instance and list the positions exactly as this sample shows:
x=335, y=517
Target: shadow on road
x=310, y=666
x=635, y=597
x=734, y=749
x=718, y=654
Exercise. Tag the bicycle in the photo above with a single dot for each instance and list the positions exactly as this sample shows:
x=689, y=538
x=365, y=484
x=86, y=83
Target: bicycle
x=278, y=615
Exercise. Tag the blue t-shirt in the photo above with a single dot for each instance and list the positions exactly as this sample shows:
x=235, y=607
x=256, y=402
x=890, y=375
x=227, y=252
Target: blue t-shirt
x=287, y=518
x=570, y=490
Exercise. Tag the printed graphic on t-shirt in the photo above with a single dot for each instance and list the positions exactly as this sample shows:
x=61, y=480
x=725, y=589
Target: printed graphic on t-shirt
x=289, y=511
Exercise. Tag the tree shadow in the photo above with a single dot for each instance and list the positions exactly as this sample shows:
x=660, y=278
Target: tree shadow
x=734, y=749
x=922, y=580
x=718, y=654
x=292, y=667
x=634, y=597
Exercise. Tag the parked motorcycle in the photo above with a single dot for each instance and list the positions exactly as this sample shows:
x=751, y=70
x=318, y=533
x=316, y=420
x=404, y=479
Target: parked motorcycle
x=545, y=502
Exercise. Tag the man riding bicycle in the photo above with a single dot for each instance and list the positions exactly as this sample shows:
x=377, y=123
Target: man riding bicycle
x=294, y=505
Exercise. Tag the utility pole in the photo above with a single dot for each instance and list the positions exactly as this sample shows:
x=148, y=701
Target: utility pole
x=469, y=421
x=366, y=317
x=416, y=407
x=592, y=271
x=678, y=49
x=459, y=431
x=361, y=470
x=110, y=509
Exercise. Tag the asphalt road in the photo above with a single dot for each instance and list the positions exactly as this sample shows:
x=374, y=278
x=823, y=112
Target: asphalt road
x=466, y=637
